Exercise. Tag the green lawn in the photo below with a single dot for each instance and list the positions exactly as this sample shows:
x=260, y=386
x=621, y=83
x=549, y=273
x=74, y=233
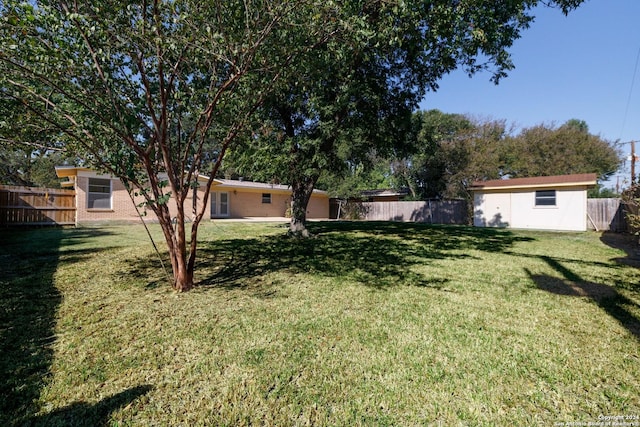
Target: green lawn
x=365, y=324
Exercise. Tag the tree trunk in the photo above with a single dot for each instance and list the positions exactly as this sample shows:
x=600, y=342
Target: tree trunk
x=301, y=194
x=183, y=277
x=177, y=246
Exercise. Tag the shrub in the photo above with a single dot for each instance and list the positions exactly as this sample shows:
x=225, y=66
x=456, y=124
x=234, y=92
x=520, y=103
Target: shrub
x=631, y=201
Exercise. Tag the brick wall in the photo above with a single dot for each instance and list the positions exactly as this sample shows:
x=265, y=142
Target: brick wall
x=121, y=206
x=249, y=204
x=242, y=203
x=318, y=207
x=122, y=209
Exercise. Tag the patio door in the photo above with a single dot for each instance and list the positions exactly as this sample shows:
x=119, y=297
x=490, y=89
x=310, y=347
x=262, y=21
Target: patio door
x=219, y=204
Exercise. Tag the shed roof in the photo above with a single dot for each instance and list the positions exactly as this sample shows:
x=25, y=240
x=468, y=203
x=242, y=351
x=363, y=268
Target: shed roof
x=585, y=179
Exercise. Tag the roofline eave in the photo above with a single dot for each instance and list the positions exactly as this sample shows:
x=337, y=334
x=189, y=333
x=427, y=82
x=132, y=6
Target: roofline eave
x=588, y=184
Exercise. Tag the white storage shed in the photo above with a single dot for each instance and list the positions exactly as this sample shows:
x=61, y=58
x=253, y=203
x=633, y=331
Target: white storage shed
x=541, y=203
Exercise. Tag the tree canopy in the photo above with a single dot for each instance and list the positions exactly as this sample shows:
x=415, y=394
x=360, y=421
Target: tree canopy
x=28, y=152
x=559, y=150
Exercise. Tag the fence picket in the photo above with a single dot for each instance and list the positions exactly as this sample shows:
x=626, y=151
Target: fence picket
x=606, y=215
x=431, y=211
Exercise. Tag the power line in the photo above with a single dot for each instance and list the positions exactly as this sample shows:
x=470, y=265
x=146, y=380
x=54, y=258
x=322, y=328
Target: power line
x=626, y=110
x=626, y=142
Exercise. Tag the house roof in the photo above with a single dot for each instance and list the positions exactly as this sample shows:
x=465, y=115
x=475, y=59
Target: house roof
x=587, y=179
x=68, y=171
x=252, y=185
x=236, y=183
x=72, y=171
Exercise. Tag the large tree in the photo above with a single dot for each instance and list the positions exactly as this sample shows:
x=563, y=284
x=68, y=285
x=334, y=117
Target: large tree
x=154, y=92
x=357, y=94
x=339, y=104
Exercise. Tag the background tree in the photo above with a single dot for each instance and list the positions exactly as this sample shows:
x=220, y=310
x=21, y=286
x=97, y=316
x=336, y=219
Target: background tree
x=434, y=151
x=485, y=157
x=558, y=150
x=31, y=168
x=372, y=174
x=602, y=192
x=28, y=153
x=445, y=153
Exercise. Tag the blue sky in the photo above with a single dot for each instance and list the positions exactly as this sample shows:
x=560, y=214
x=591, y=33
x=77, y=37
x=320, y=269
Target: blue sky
x=577, y=66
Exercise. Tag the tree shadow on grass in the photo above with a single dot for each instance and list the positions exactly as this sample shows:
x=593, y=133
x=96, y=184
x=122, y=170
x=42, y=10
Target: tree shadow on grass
x=376, y=254
x=84, y=414
x=608, y=298
x=29, y=301
x=626, y=242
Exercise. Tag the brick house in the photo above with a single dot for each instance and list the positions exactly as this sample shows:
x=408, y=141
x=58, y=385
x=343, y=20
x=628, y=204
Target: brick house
x=101, y=197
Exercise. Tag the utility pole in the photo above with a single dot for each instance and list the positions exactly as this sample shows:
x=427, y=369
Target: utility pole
x=633, y=162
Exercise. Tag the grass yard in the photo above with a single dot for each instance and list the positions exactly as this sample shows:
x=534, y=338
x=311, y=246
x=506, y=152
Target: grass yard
x=365, y=324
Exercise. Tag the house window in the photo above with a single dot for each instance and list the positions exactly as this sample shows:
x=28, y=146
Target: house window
x=99, y=194
x=546, y=198
x=266, y=198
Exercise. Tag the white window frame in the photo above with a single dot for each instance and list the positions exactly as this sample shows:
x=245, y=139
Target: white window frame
x=90, y=202
x=266, y=198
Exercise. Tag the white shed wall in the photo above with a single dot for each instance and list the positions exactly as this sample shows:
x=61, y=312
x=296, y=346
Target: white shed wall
x=570, y=212
x=517, y=209
x=492, y=209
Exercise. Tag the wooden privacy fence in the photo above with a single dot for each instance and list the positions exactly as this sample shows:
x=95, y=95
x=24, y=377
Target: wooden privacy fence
x=606, y=215
x=431, y=211
x=36, y=206
x=603, y=214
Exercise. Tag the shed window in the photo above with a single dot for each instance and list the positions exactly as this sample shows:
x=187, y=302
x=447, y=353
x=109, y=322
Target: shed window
x=546, y=198
x=99, y=194
x=266, y=198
